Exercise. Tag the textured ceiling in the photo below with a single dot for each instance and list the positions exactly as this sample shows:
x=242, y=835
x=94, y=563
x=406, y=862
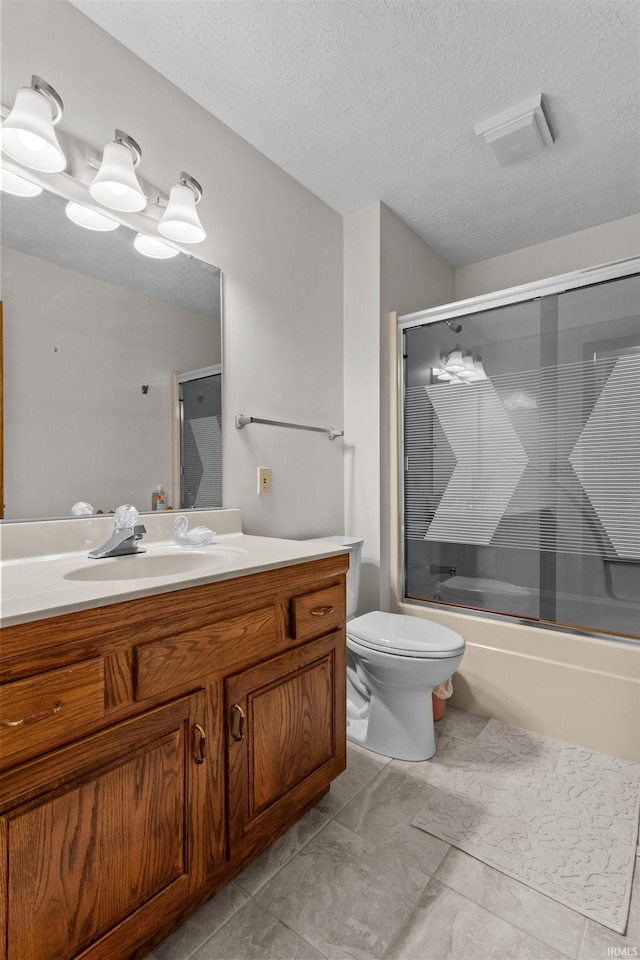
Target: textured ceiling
x=377, y=100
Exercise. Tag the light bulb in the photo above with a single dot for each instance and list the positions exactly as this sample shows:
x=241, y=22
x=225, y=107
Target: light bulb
x=31, y=141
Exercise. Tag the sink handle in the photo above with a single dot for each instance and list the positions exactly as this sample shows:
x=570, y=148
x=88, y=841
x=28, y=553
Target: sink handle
x=238, y=731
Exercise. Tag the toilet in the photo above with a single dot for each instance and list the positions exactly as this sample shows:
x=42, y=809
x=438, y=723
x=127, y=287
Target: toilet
x=393, y=663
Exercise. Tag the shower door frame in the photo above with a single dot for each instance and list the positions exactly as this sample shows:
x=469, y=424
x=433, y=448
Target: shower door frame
x=591, y=276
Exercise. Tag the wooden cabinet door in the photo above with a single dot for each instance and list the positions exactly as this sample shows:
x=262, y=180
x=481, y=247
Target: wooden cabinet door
x=104, y=837
x=286, y=738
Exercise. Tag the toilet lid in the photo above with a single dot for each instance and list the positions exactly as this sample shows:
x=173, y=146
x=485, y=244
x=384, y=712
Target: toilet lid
x=405, y=636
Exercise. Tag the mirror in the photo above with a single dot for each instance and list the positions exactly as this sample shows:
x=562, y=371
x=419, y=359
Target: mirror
x=94, y=337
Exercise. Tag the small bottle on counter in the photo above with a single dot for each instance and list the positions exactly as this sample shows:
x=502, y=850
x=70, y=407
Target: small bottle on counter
x=159, y=498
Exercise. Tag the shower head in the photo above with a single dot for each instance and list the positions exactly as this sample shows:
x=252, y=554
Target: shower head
x=456, y=327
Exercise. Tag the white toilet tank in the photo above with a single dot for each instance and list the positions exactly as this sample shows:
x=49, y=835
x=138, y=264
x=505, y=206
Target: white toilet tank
x=354, y=545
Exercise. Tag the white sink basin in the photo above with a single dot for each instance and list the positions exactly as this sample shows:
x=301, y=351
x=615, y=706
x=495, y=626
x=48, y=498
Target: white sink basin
x=144, y=566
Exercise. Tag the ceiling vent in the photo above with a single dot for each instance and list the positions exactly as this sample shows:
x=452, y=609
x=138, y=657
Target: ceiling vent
x=517, y=134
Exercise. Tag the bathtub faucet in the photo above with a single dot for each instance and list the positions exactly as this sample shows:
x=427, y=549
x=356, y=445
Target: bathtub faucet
x=435, y=568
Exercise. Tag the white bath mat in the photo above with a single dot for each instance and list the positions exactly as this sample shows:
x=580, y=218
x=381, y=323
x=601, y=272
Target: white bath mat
x=553, y=815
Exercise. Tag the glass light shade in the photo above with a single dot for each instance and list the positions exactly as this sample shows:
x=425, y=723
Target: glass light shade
x=180, y=221
x=115, y=185
x=479, y=368
x=468, y=372
x=88, y=218
x=151, y=247
x=454, y=362
x=444, y=376
x=18, y=186
x=28, y=135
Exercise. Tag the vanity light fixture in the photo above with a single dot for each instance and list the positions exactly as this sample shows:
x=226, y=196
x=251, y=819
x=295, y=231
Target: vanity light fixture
x=180, y=221
x=88, y=218
x=18, y=186
x=27, y=133
x=153, y=247
x=115, y=185
x=29, y=143
x=466, y=369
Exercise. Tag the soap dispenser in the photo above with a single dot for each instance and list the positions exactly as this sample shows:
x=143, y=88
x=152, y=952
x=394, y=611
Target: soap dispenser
x=159, y=498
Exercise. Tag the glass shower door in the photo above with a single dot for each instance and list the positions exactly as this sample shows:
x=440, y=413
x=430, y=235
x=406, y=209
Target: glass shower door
x=522, y=459
x=598, y=486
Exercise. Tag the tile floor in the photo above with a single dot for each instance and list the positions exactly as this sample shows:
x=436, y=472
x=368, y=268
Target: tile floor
x=353, y=879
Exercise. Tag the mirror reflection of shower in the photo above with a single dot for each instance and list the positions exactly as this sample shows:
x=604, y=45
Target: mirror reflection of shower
x=200, y=417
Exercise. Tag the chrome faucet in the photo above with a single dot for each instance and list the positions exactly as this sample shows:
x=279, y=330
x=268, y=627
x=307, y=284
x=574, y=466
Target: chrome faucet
x=124, y=539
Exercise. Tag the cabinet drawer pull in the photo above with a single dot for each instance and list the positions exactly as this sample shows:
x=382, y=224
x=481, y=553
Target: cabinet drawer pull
x=202, y=744
x=41, y=715
x=322, y=611
x=238, y=733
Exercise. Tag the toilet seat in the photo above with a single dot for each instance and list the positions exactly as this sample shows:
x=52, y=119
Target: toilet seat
x=404, y=636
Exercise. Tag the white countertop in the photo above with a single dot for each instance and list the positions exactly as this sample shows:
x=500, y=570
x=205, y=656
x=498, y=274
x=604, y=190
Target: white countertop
x=35, y=587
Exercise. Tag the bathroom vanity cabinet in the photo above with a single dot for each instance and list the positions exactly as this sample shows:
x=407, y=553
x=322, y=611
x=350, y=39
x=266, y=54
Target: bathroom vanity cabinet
x=150, y=749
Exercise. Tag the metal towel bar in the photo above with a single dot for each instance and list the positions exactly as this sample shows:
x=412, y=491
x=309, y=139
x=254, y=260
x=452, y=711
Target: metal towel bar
x=242, y=421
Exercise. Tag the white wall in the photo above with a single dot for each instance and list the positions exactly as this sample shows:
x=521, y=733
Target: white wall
x=412, y=277
x=279, y=247
x=605, y=243
x=77, y=425
x=362, y=393
x=386, y=267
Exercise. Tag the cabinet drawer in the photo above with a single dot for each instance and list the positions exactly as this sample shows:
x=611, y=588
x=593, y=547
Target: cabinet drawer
x=49, y=709
x=188, y=660
x=319, y=612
